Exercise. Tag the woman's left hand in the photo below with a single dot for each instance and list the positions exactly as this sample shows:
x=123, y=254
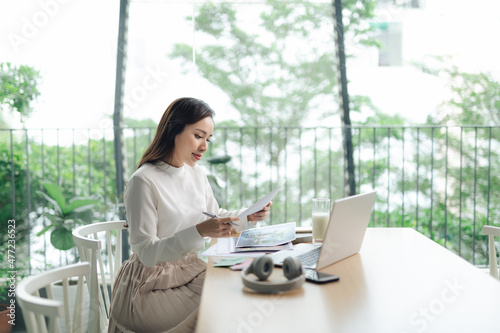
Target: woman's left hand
x=261, y=214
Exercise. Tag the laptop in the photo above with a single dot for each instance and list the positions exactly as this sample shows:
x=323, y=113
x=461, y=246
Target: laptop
x=344, y=234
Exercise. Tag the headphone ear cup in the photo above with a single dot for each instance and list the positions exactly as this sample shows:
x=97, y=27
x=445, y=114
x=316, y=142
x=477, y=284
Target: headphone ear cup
x=262, y=267
x=292, y=268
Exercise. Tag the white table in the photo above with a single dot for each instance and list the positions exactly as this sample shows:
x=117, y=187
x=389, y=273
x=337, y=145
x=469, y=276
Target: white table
x=400, y=282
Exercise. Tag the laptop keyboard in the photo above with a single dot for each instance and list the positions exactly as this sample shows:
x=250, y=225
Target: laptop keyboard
x=301, y=251
x=310, y=258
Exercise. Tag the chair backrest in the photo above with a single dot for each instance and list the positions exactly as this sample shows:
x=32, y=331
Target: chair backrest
x=105, y=262
x=42, y=314
x=492, y=232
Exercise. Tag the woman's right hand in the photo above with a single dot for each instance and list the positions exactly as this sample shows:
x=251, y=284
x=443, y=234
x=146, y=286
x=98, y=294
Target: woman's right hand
x=216, y=228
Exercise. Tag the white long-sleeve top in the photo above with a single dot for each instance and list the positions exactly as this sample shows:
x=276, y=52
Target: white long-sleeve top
x=163, y=204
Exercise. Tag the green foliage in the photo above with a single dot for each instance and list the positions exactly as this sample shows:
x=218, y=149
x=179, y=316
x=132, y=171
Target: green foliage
x=437, y=180
x=467, y=155
x=18, y=87
x=440, y=180
x=475, y=97
x=81, y=166
x=278, y=69
x=13, y=197
x=64, y=217
x=309, y=171
x=440, y=163
x=142, y=123
x=282, y=69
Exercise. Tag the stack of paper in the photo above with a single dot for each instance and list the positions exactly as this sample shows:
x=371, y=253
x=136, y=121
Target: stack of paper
x=259, y=240
x=270, y=236
x=254, y=242
x=233, y=248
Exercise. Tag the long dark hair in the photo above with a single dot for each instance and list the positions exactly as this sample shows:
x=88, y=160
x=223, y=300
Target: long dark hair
x=181, y=112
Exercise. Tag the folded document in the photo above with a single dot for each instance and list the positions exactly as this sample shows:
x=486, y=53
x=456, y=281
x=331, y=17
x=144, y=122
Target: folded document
x=267, y=236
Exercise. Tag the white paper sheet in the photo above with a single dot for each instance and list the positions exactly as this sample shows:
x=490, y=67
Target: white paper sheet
x=217, y=250
x=225, y=246
x=261, y=203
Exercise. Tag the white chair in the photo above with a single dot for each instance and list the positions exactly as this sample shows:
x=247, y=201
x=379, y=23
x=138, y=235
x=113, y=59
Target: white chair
x=43, y=314
x=105, y=262
x=492, y=232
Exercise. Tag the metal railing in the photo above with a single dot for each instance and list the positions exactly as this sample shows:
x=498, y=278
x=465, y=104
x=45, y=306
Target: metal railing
x=440, y=180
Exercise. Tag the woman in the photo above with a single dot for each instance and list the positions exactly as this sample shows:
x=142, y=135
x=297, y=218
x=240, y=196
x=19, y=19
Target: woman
x=158, y=289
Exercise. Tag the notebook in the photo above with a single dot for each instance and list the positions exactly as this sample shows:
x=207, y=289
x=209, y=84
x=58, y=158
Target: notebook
x=344, y=234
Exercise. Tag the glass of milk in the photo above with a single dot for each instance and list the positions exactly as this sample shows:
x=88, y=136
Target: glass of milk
x=320, y=218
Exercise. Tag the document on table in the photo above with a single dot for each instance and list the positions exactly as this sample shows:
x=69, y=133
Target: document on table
x=261, y=203
x=272, y=235
x=227, y=247
x=223, y=249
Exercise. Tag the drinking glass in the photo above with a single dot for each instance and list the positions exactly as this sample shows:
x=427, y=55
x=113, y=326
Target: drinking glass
x=320, y=218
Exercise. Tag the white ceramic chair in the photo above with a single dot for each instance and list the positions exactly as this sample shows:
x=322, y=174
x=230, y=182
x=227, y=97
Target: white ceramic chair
x=100, y=244
x=42, y=314
x=492, y=232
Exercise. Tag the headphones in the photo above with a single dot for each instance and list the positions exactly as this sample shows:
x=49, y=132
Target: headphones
x=262, y=268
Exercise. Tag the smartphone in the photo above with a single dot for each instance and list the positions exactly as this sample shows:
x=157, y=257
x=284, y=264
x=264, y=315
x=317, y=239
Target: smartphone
x=320, y=277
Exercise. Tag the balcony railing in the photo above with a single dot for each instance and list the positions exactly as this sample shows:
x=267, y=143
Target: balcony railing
x=442, y=181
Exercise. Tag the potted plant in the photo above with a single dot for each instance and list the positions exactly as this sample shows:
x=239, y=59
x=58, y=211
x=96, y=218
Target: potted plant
x=63, y=218
x=5, y=319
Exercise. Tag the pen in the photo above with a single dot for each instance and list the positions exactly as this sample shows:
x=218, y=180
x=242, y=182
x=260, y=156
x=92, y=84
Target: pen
x=217, y=217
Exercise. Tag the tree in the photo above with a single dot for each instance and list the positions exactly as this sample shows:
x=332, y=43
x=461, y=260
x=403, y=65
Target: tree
x=120, y=152
x=284, y=71
x=350, y=182
x=281, y=70
x=18, y=87
x=473, y=175
x=475, y=98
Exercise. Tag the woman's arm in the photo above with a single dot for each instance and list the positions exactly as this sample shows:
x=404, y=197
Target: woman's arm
x=141, y=201
x=244, y=222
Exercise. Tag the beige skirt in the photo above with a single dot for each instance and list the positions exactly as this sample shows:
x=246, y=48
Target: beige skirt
x=163, y=298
